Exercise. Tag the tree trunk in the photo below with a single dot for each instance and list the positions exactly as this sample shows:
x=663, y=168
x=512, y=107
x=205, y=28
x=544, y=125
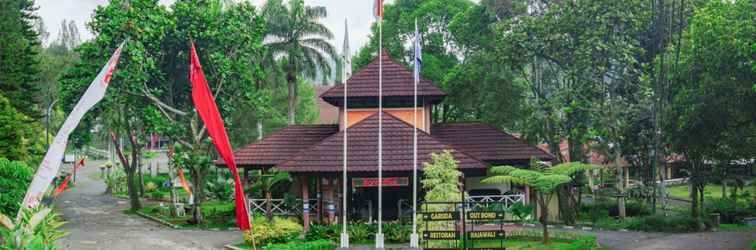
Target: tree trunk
x=133, y=195
x=544, y=218
x=197, y=182
x=694, y=199
x=292, y=82
x=268, y=205
x=620, y=186
x=129, y=169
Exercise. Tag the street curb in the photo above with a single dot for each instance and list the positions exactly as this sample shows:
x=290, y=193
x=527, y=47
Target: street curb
x=229, y=246
x=158, y=220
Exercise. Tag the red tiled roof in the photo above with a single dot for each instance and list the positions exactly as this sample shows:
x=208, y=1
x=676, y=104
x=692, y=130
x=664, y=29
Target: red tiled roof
x=363, y=149
x=282, y=145
x=329, y=114
x=486, y=143
x=397, y=81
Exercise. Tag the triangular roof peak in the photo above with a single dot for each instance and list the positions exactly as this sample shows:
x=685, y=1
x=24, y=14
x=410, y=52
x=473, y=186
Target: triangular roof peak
x=398, y=84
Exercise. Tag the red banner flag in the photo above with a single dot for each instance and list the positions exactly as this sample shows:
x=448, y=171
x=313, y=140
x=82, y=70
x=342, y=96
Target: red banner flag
x=80, y=164
x=204, y=103
x=378, y=9
x=62, y=186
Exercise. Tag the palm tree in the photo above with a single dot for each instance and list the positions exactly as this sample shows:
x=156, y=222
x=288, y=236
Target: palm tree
x=297, y=39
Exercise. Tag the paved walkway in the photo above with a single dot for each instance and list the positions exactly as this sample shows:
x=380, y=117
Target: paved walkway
x=97, y=221
x=688, y=241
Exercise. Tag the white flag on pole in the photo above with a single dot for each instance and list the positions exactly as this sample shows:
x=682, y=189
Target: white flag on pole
x=51, y=163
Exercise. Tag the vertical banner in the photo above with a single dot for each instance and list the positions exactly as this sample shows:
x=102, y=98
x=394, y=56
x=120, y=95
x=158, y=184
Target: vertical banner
x=51, y=162
x=204, y=103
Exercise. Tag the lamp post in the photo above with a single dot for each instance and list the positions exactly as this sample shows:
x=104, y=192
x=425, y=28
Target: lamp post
x=47, y=122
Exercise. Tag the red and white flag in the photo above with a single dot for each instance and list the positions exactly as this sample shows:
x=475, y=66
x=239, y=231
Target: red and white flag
x=51, y=163
x=378, y=9
x=204, y=103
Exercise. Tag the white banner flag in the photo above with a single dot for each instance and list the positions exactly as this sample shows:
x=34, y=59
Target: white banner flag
x=51, y=163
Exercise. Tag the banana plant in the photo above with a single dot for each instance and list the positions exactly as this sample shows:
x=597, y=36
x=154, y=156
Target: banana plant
x=36, y=229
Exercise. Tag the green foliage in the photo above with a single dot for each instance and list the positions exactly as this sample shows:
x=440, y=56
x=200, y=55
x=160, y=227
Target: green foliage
x=399, y=233
x=522, y=212
x=543, y=181
x=441, y=178
x=361, y=232
x=14, y=180
x=321, y=244
x=300, y=42
x=730, y=210
x=278, y=231
x=317, y=232
x=36, y=229
x=19, y=57
x=19, y=138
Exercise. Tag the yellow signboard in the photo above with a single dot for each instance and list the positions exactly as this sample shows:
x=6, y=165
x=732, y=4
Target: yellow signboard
x=440, y=216
x=485, y=215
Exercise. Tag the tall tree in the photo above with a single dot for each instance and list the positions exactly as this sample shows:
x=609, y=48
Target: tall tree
x=300, y=41
x=712, y=108
x=579, y=59
x=19, y=61
x=122, y=112
x=228, y=38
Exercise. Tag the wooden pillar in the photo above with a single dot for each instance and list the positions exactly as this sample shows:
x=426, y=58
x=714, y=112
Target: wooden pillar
x=245, y=178
x=319, y=197
x=305, y=204
x=329, y=199
x=627, y=177
x=527, y=195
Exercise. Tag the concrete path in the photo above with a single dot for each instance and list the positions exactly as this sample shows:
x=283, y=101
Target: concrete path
x=688, y=241
x=97, y=221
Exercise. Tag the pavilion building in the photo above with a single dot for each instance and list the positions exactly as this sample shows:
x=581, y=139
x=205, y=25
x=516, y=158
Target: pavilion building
x=312, y=154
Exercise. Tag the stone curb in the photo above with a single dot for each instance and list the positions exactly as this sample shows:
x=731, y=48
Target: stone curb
x=229, y=246
x=158, y=220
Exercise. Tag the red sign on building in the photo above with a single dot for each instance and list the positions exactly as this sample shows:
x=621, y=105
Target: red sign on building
x=387, y=182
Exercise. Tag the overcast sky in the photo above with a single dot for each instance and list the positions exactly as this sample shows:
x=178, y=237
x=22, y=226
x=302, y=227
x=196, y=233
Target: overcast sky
x=358, y=12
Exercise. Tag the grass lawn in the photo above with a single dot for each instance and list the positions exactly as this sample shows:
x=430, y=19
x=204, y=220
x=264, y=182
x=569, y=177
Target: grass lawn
x=218, y=215
x=711, y=190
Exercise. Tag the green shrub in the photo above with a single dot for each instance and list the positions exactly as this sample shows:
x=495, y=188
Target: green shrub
x=302, y=245
x=15, y=177
x=731, y=210
x=360, y=232
x=279, y=231
x=636, y=208
x=397, y=232
x=317, y=232
x=661, y=223
x=150, y=186
x=522, y=212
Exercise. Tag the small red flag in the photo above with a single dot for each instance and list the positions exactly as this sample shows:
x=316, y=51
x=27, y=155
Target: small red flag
x=204, y=103
x=62, y=186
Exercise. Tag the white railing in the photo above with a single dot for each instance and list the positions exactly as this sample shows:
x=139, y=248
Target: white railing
x=279, y=206
x=508, y=200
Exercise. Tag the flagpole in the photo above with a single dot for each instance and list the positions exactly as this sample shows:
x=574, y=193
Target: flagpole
x=414, y=236
x=379, y=234
x=344, y=234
